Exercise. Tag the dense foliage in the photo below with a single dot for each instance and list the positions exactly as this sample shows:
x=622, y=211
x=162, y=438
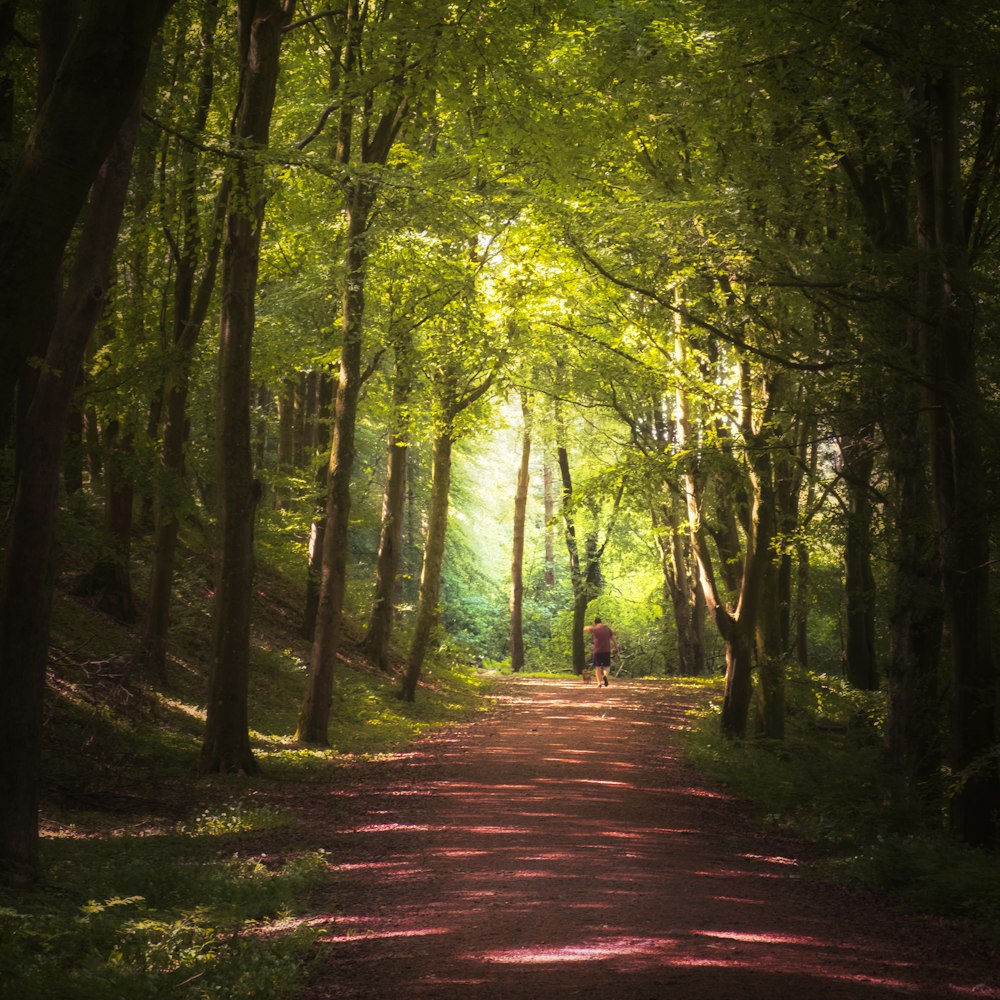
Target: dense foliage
x=719, y=277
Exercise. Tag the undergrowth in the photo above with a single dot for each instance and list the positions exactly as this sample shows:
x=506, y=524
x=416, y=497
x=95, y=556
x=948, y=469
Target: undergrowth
x=828, y=782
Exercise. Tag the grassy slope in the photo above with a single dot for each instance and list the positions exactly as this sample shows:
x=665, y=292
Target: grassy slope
x=156, y=879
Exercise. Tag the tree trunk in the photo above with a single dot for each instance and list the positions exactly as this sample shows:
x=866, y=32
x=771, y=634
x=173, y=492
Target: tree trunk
x=960, y=494
x=71, y=137
x=579, y=653
x=771, y=654
x=739, y=685
x=549, y=509
x=801, y=613
x=517, y=552
x=310, y=425
x=286, y=439
x=738, y=626
x=27, y=582
x=685, y=601
x=73, y=450
x=227, y=739
x=913, y=672
x=860, y=665
x=430, y=574
x=360, y=189
x=380, y=621
x=314, y=716
x=110, y=579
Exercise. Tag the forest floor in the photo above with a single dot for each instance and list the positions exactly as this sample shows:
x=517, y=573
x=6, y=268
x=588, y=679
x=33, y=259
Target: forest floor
x=560, y=847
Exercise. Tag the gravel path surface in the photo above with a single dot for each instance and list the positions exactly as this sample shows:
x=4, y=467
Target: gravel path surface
x=560, y=848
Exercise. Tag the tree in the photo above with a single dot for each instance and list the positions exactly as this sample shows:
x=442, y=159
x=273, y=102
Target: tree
x=72, y=135
x=585, y=567
x=380, y=621
x=363, y=143
x=27, y=581
x=226, y=746
x=463, y=372
x=192, y=300
x=517, y=546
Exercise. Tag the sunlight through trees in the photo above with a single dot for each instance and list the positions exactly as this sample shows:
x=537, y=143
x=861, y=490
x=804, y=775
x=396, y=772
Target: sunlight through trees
x=481, y=319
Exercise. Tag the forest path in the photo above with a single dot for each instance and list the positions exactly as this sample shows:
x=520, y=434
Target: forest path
x=560, y=848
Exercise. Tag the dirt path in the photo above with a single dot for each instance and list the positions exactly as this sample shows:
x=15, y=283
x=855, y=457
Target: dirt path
x=559, y=848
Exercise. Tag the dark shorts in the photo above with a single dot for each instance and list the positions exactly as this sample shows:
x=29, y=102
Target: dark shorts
x=601, y=660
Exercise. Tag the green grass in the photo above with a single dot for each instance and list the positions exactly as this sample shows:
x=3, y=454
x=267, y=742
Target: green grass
x=157, y=881
x=174, y=914
x=828, y=782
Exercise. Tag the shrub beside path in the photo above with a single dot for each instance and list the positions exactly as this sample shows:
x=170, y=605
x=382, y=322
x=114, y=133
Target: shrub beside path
x=560, y=847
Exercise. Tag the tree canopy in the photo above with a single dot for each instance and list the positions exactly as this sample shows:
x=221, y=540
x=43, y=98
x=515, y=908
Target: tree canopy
x=696, y=300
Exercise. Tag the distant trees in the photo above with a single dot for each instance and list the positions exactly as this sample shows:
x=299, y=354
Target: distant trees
x=747, y=256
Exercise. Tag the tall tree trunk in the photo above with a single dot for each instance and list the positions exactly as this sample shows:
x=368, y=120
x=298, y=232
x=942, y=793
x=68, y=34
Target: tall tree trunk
x=517, y=550
x=549, y=513
x=27, y=581
x=314, y=715
x=800, y=616
x=71, y=137
x=738, y=626
x=73, y=449
x=190, y=311
x=380, y=621
x=286, y=438
x=310, y=426
x=913, y=670
x=430, y=573
x=860, y=665
x=685, y=601
x=960, y=494
x=361, y=189
x=227, y=739
x=771, y=653
x=580, y=599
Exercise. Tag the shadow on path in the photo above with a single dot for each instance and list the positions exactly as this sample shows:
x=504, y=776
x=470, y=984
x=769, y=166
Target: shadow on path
x=560, y=848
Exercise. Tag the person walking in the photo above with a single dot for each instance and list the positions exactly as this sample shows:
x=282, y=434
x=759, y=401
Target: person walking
x=605, y=641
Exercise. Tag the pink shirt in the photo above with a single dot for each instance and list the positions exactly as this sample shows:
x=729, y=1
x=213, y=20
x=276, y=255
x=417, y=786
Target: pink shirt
x=602, y=638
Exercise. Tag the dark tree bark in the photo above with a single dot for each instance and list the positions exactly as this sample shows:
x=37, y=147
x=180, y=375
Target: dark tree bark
x=580, y=598
x=858, y=454
x=686, y=601
x=951, y=351
x=27, y=581
x=800, y=616
x=314, y=716
x=915, y=723
x=72, y=136
x=8, y=37
x=738, y=625
x=226, y=746
x=517, y=549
